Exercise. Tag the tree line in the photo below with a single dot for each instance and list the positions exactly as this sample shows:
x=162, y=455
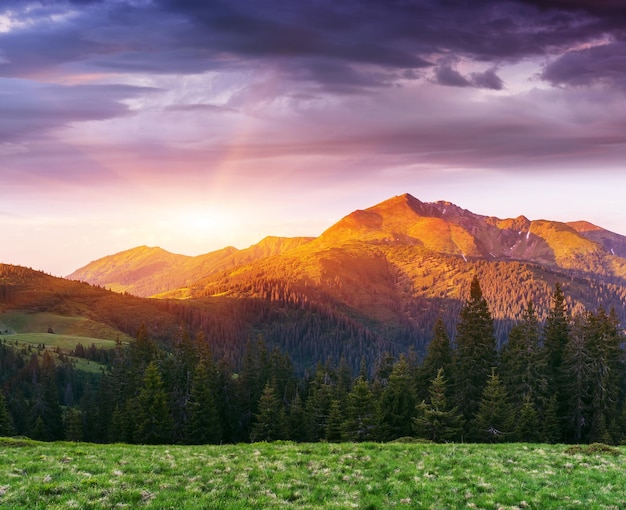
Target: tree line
x=558, y=380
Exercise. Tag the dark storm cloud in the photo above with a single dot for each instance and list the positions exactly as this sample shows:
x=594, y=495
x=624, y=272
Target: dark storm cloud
x=322, y=41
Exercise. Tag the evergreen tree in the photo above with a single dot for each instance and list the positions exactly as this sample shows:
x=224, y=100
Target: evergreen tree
x=361, y=421
x=551, y=425
x=606, y=373
x=253, y=377
x=527, y=427
x=494, y=420
x=434, y=420
x=297, y=420
x=5, y=419
x=576, y=368
x=178, y=369
x=556, y=336
x=203, y=425
x=521, y=362
x=334, y=424
x=438, y=355
x=46, y=409
x=398, y=402
x=318, y=404
x=73, y=424
x=475, y=354
x=266, y=426
x=121, y=428
x=153, y=418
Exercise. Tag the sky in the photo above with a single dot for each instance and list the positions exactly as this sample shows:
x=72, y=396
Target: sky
x=194, y=125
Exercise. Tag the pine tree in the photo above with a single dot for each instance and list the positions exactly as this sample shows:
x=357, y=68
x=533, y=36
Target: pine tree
x=434, y=420
x=606, y=373
x=438, y=355
x=361, y=423
x=45, y=407
x=556, y=333
x=321, y=395
x=576, y=372
x=527, y=427
x=494, y=420
x=297, y=420
x=521, y=362
x=266, y=426
x=475, y=354
x=398, y=402
x=551, y=425
x=153, y=418
x=335, y=420
x=73, y=423
x=203, y=425
x=5, y=419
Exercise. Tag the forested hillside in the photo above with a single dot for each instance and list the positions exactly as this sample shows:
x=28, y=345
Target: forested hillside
x=560, y=381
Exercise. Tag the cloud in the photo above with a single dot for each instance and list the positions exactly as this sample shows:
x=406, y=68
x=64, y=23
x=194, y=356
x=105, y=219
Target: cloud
x=28, y=110
x=487, y=80
x=445, y=75
x=200, y=107
x=347, y=47
x=605, y=63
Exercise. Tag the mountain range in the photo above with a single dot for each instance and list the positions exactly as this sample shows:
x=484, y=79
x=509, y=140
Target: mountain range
x=402, y=221
x=374, y=281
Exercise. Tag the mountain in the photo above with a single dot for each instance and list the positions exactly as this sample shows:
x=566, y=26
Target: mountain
x=377, y=279
x=146, y=271
x=439, y=227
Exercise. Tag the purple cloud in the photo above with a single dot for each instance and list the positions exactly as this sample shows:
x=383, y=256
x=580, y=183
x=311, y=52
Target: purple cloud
x=604, y=63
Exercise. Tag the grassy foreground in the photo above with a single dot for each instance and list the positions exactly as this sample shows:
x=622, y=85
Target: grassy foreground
x=278, y=475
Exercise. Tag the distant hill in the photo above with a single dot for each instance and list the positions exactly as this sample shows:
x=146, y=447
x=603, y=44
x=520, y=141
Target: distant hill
x=32, y=301
x=146, y=271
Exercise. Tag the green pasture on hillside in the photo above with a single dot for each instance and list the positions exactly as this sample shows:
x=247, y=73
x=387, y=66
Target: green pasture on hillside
x=307, y=476
x=25, y=322
x=64, y=342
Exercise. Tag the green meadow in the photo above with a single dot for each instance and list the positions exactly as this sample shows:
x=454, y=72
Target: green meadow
x=324, y=475
x=73, y=326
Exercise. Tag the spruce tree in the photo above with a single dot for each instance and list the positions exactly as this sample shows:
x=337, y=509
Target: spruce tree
x=435, y=420
x=494, y=420
x=606, y=374
x=475, y=354
x=73, y=424
x=551, y=424
x=153, y=416
x=361, y=423
x=46, y=413
x=297, y=420
x=527, y=428
x=203, y=425
x=556, y=333
x=335, y=420
x=398, y=402
x=576, y=372
x=438, y=355
x=521, y=362
x=6, y=428
x=266, y=426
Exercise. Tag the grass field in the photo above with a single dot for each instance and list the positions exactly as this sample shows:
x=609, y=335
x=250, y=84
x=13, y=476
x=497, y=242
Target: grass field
x=287, y=475
x=65, y=343
x=23, y=322
x=31, y=329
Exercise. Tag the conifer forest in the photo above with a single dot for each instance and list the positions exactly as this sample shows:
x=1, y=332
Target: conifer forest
x=561, y=379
